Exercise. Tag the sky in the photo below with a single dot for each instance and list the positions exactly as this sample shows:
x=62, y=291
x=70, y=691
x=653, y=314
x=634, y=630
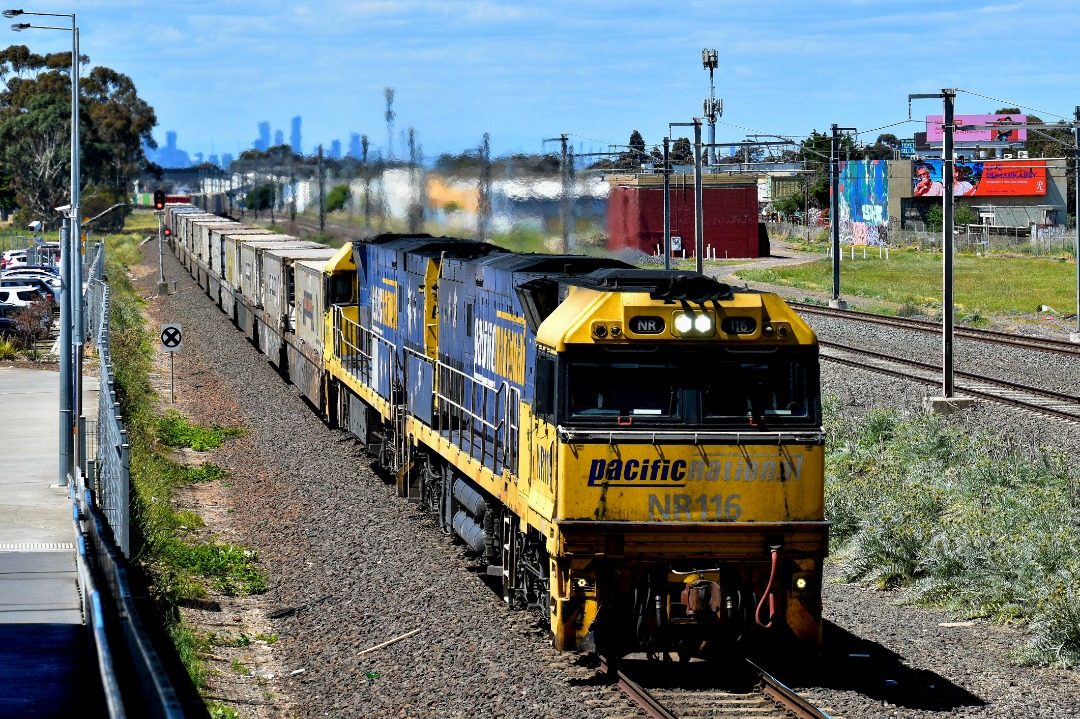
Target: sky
x=595, y=70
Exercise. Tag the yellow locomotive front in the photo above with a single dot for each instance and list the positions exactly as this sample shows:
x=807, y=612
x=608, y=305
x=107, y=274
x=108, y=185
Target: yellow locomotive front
x=678, y=426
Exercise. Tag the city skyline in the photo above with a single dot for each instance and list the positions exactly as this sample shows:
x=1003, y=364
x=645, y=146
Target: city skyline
x=526, y=72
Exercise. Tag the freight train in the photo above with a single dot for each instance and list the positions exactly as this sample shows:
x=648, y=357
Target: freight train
x=635, y=454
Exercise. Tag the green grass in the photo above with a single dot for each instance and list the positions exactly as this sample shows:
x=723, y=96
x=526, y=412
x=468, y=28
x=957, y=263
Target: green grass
x=175, y=430
x=983, y=285
x=970, y=522
x=163, y=546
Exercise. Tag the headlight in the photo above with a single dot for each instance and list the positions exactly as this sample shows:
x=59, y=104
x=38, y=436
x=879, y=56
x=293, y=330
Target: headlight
x=693, y=324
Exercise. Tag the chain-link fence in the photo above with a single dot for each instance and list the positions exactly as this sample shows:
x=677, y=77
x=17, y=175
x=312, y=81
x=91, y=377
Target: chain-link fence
x=1035, y=240
x=112, y=464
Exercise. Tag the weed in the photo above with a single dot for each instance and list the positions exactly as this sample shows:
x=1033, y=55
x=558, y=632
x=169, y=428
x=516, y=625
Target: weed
x=205, y=473
x=242, y=640
x=186, y=519
x=268, y=638
x=218, y=710
x=230, y=568
x=8, y=350
x=176, y=430
x=238, y=666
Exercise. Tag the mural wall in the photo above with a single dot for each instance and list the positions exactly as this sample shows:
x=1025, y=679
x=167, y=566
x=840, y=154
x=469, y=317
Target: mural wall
x=864, y=202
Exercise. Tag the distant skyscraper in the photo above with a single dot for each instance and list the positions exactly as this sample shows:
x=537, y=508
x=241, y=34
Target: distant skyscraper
x=198, y=158
x=335, y=150
x=354, y=146
x=169, y=155
x=213, y=160
x=279, y=137
x=295, y=139
x=263, y=143
x=226, y=159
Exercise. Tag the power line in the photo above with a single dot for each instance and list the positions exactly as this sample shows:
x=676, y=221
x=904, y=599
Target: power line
x=1006, y=103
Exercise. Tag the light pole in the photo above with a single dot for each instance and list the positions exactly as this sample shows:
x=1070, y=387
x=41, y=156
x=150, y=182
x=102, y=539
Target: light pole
x=71, y=321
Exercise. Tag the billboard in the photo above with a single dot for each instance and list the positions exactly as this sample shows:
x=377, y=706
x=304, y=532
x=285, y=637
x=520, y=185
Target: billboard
x=1005, y=133
x=981, y=179
x=863, y=204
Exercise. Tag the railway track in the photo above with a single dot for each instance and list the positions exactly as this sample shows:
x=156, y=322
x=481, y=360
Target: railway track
x=1041, y=401
x=1040, y=344
x=753, y=694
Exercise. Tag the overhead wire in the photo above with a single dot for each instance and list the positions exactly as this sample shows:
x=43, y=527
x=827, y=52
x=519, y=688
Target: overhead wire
x=1006, y=103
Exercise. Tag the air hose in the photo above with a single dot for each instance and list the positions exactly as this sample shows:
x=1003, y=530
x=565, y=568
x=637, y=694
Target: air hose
x=768, y=593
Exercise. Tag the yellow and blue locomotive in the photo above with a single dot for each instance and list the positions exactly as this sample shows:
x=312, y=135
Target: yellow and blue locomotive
x=637, y=453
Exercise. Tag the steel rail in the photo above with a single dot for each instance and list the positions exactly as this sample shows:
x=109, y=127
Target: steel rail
x=1039, y=344
x=1072, y=416
x=786, y=702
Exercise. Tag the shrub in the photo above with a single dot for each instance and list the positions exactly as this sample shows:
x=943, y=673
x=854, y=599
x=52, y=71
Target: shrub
x=8, y=350
x=969, y=521
x=337, y=197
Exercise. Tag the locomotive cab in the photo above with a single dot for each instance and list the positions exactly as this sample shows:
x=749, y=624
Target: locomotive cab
x=685, y=426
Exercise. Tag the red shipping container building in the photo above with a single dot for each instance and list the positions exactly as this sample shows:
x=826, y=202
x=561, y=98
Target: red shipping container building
x=729, y=207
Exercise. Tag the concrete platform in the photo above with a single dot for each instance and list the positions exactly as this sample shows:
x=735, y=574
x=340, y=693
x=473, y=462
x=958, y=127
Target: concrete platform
x=46, y=667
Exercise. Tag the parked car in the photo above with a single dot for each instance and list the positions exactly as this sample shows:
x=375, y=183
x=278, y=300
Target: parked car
x=27, y=273
x=20, y=295
x=9, y=320
x=12, y=258
x=7, y=324
x=46, y=290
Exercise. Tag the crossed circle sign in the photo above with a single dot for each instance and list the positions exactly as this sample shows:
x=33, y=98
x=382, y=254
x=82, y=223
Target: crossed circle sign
x=171, y=337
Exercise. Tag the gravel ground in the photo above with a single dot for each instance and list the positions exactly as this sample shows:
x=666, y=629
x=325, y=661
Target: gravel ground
x=361, y=567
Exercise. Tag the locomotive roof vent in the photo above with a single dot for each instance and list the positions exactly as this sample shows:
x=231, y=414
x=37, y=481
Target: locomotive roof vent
x=660, y=284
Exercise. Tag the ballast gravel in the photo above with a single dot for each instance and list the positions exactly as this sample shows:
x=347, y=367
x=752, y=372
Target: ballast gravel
x=352, y=566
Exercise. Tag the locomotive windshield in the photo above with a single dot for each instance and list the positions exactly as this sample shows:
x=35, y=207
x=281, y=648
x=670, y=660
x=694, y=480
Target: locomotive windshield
x=709, y=387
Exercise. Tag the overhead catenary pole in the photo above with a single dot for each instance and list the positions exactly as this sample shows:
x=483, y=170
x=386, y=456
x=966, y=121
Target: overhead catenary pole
x=949, y=128
x=834, y=213
x=322, y=193
x=564, y=200
x=1075, y=336
x=699, y=220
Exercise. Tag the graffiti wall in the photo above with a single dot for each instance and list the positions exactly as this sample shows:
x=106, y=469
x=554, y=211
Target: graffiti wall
x=864, y=202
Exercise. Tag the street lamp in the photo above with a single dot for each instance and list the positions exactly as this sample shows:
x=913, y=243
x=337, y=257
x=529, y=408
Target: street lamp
x=71, y=320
